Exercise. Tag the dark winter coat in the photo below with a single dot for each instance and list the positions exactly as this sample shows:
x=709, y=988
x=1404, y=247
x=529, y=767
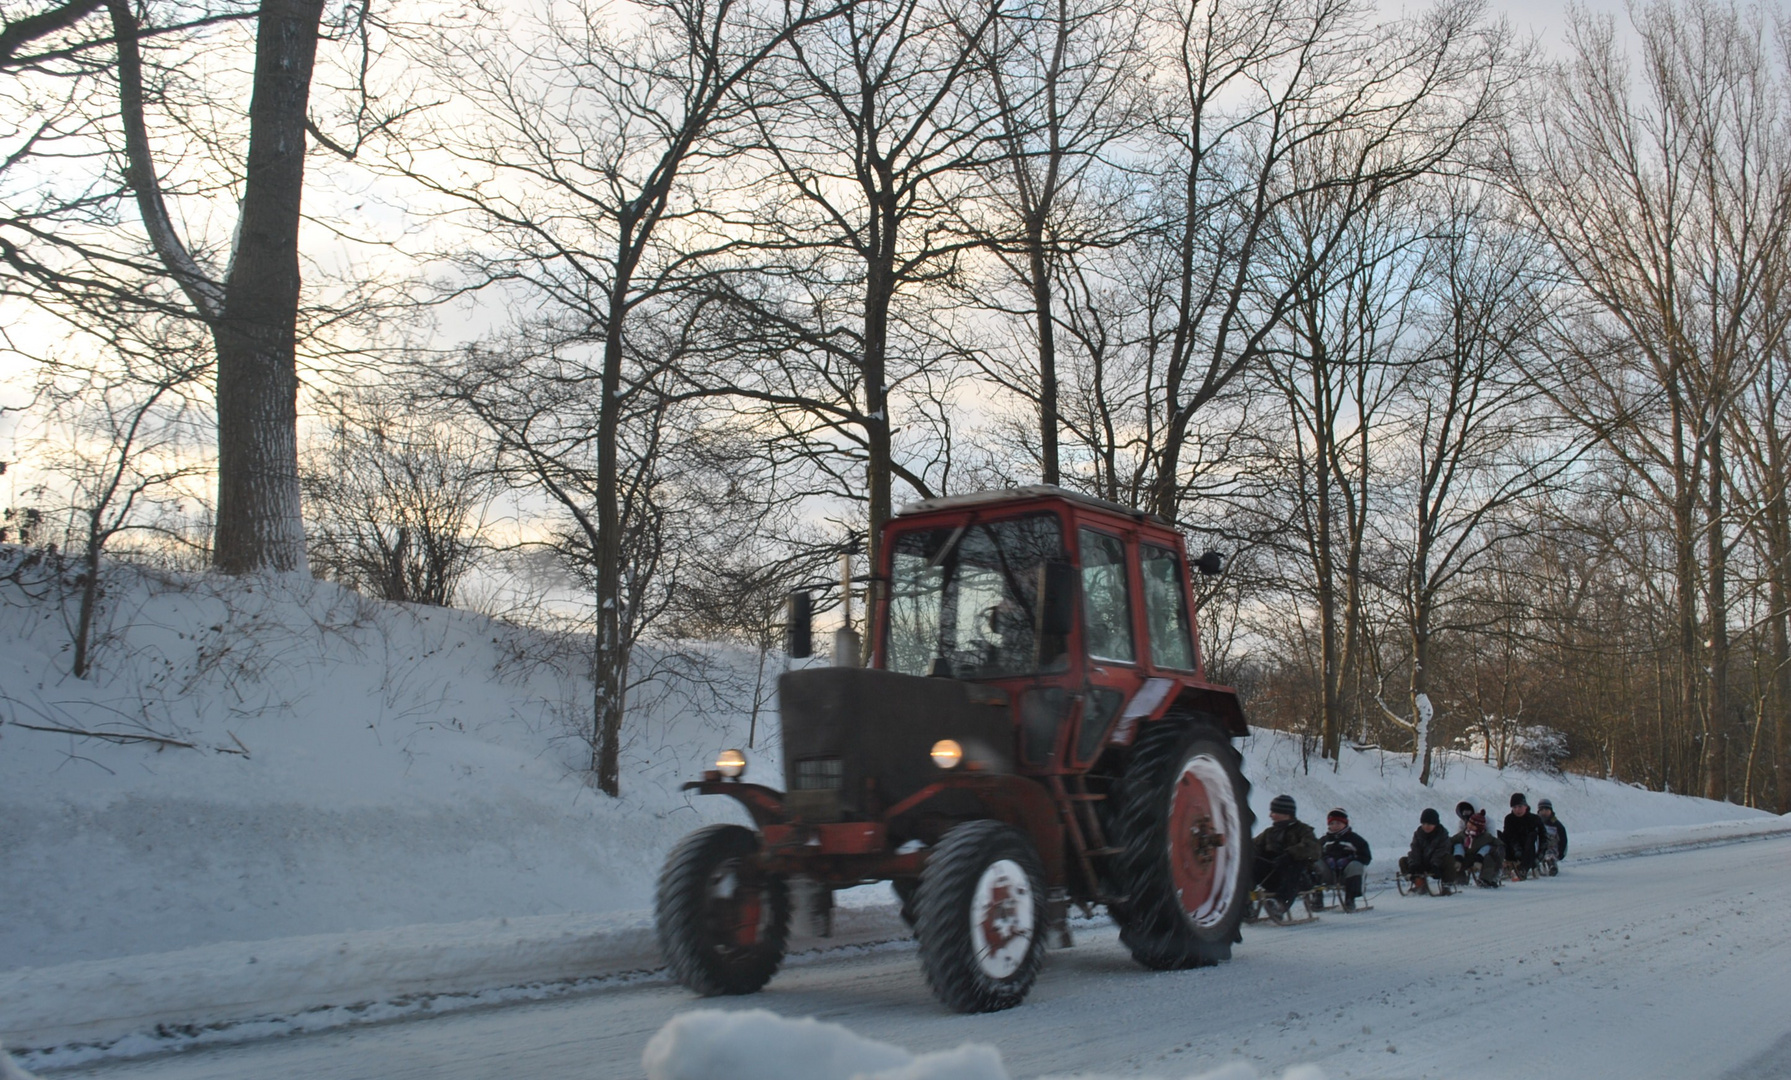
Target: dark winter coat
x=1430, y=849
x=1342, y=848
x=1522, y=837
x=1292, y=839
x=1560, y=835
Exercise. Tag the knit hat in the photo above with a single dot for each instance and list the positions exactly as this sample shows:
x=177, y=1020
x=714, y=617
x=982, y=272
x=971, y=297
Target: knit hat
x=1464, y=810
x=1517, y=799
x=1337, y=815
x=1430, y=817
x=1544, y=804
x=1282, y=804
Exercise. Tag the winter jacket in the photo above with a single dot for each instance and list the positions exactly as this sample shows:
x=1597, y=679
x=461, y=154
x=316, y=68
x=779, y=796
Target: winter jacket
x=1523, y=837
x=1429, y=849
x=1288, y=839
x=1553, y=829
x=1339, y=849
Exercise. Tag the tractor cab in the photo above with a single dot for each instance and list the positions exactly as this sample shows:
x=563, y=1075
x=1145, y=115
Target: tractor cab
x=1034, y=730
x=1079, y=609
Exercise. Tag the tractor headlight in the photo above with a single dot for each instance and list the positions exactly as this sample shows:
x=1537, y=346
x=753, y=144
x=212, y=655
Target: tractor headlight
x=730, y=763
x=947, y=753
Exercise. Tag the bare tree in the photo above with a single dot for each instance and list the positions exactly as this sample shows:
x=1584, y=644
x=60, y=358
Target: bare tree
x=594, y=138
x=132, y=112
x=1667, y=204
x=1477, y=438
x=1247, y=88
x=1341, y=361
x=873, y=143
x=118, y=442
x=1062, y=87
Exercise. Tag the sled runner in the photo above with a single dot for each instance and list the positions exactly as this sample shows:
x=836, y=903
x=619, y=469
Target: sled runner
x=1424, y=885
x=1332, y=897
x=1265, y=909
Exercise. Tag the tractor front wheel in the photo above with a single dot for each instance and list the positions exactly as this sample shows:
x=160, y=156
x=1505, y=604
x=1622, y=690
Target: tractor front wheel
x=980, y=917
x=722, y=924
x=1183, y=825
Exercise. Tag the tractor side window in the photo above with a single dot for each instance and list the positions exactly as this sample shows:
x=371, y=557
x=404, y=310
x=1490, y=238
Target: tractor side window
x=964, y=601
x=1106, y=604
x=1166, y=608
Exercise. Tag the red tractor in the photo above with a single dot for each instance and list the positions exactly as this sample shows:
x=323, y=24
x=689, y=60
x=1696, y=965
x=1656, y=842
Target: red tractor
x=1034, y=731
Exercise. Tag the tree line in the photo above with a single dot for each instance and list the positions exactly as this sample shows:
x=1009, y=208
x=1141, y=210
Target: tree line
x=1470, y=356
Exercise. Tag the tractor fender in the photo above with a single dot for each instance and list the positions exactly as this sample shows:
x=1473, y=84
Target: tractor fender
x=1159, y=697
x=1026, y=805
x=1015, y=800
x=1220, y=702
x=764, y=804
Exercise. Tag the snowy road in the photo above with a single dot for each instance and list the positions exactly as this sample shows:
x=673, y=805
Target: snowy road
x=1675, y=965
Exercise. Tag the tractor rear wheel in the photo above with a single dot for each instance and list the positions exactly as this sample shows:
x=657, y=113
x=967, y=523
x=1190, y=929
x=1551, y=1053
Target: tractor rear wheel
x=722, y=924
x=980, y=916
x=1183, y=825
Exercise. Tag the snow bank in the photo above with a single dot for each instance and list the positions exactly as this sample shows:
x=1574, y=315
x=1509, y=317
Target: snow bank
x=353, y=766
x=759, y=1045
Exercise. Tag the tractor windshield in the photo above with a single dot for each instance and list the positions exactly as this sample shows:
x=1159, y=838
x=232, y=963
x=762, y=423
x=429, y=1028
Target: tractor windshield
x=963, y=599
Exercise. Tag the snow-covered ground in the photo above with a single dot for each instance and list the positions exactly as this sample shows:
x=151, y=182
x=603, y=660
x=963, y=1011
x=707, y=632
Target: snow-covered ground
x=1661, y=967
x=378, y=808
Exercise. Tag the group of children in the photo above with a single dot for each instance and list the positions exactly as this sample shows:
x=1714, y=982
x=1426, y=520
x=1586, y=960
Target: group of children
x=1527, y=842
x=1291, y=858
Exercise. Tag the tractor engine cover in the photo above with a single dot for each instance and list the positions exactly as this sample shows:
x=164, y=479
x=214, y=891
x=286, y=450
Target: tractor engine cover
x=849, y=732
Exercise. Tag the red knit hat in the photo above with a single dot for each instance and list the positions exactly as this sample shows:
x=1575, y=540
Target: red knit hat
x=1337, y=815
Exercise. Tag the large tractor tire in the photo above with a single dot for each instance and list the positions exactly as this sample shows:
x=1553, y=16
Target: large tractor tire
x=1183, y=824
x=980, y=917
x=722, y=925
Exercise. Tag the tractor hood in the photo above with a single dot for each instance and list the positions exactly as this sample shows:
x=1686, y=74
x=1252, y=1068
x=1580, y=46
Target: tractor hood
x=858, y=740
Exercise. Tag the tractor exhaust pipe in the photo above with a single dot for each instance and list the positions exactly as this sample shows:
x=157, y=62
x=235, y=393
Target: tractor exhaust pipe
x=846, y=643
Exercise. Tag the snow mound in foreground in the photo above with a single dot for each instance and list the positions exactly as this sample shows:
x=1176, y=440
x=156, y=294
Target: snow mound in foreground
x=710, y=1044
x=9, y=1069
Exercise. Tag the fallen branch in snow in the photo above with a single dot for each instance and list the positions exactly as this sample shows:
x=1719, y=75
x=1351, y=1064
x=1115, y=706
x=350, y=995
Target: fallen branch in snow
x=130, y=737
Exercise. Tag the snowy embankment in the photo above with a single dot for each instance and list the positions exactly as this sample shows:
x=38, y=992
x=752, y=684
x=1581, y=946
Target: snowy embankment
x=316, y=809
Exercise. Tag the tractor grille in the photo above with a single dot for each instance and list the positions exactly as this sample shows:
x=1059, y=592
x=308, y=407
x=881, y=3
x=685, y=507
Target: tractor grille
x=820, y=774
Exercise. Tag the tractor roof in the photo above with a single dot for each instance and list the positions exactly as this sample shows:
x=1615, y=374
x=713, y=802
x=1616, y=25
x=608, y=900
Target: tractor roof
x=1028, y=493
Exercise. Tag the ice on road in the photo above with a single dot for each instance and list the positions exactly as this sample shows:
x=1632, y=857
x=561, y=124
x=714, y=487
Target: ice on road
x=1671, y=965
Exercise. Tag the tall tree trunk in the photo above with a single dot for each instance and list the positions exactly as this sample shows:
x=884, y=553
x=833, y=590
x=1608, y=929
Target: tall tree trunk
x=879, y=294
x=1781, y=655
x=1777, y=529
x=1422, y=709
x=89, y=599
x=1716, y=737
x=1330, y=631
x=260, y=526
x=1047, y=331
x=1692, y=718
x=609, y=652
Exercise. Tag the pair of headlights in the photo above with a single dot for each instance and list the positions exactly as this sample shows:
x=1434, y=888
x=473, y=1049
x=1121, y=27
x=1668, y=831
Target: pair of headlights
x=946, y=754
